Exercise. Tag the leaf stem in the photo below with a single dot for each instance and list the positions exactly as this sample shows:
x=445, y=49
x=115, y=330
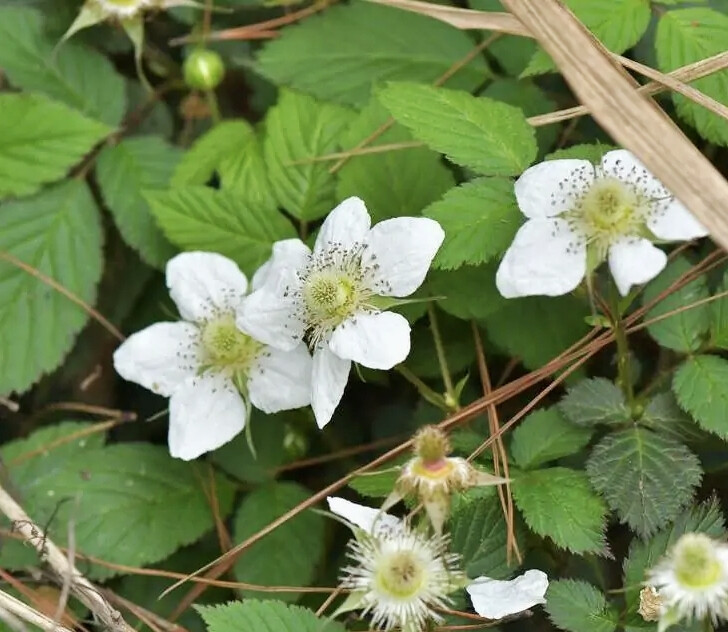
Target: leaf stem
x=429, y=394
x=624, y=368
x=451, y=398
x=214, y=107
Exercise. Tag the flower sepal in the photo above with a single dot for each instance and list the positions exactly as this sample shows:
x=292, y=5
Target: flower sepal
x=670, y=617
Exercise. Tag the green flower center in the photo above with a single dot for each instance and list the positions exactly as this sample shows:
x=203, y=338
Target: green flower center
x=226, y=346
x=330, y=296
x=696, y=565
x=400, y=575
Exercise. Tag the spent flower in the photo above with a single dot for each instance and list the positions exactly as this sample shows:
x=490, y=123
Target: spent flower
x=335, y=297
x=211, y=371
x=580, y=214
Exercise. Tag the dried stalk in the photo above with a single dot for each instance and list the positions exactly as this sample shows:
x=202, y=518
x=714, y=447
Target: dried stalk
x=18, y=609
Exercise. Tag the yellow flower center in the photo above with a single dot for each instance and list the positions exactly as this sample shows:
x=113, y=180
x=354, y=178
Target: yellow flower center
x=696, y=564
x=330, y=296
x=228, y=347
x=400, y=575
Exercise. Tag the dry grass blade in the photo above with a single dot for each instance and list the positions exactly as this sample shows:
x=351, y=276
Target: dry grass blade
x=18, y=609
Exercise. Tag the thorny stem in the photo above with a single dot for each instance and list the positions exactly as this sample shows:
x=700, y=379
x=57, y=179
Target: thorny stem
x=430, y=395
x=451, y=398
x=624, y=368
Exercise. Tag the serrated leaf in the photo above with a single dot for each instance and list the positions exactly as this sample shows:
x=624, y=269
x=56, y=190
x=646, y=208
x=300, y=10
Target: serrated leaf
x=339, y=55
x=76, y=75
x=646, y=478
x=469, y=292
x=396, y=183
x=592, y=153
x=663, y=415
x=201, y=218
x=644, y=554
x=545, y=436
x=685, y=330
x=478, y=533
x=685, y=36
x=40, y=140
x=264, y=616
x=231, y=150
x=58, y=233
x=560, y=504
x=577, y=606
x=375, y=484
x=537, y=329
x=595, y=401
x=618, y=24
x=287, y=556
x=460, y=126
x=480, y=219
x=701, y=388
x=136, y=504
x=299, y=128
x=719, y=317
x=125, y=170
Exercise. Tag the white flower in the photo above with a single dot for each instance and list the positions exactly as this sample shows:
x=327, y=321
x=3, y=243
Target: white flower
x=334, y=296
x=495, y=599
x=692, y=580
x=206, y=366
x=370, y=520
x=580, y=214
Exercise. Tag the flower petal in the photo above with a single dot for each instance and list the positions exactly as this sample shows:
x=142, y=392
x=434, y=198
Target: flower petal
x=203, y=283
x=160, y=357
x=399, y=252
x=625, y=166
x=328, y=380
x=345, y=226
x=281, y=380
x=494, y=599
x=204, y=413
x=366, y=518
x=270, y=317
x=546, y=258
x=290, y=254
x=548, y=188
x=634, y=261
x=675, y=223
x=377, y=341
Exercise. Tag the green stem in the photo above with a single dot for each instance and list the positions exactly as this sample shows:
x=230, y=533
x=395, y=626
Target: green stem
x=708, y=625
x=451, y=396
x=214, y=107
x=624, y=369
x=429, y=394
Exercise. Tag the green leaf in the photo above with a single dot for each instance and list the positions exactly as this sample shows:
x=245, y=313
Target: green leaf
x=480, y=219
x=685, y=330
x=685, y=36
x=200, y=218
x=469, y=292
x=663, y=415
x=646, y=478
x=577, y=606
x=76, y=75
x=545, y=436
x=719, y=317
x=478, y=533
x=460, y=126
x=618, y=24
x=375, y=484
x=701, y=388
x=232, y=151
x=537, y=329
x=341, y=54
x=57, y=232
x=40, y=140
x=395, y=183
x=644, y=554
x=125, y=170
x=595, y=401
x=299, y=128
x=592, y=153
x=560, y=504
x=264, y=616
x=136, y=504
x=287, y=556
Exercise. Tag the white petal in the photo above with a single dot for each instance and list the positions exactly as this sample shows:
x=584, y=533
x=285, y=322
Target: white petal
x=625, y=166
x=546, y=258
x=328, y=380
x=281, y=380
x=287, y=254
x=494, y=599
x=366, y=518
x=634, y=261
x=160, y=357
x=270, y=317
x=676, y=223
x=377, y=341
x=345, y=226
x=204, y=413
x=399, y=252
x=202, y=283
x=546, y=189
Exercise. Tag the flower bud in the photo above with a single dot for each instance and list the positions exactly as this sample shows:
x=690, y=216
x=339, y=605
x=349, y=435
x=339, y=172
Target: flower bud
x=203, y=69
